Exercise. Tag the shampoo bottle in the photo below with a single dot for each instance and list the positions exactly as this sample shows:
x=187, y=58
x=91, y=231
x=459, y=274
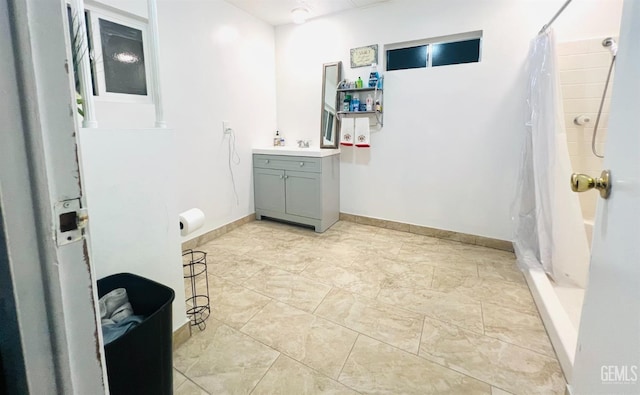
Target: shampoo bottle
x=373, y=76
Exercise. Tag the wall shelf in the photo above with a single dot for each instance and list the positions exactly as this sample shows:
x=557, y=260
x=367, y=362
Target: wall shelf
x=377, y=98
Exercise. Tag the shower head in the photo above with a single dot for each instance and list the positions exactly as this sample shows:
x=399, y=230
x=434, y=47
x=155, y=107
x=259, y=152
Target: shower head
x=610, y=43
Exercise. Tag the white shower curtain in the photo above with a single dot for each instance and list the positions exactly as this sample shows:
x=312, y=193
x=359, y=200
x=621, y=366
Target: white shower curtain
x=549, y=229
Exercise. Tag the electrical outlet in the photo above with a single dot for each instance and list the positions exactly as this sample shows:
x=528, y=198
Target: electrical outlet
x=226, y=127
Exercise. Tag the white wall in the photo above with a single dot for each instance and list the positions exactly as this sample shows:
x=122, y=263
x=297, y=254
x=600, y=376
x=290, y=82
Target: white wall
x=449, y=152
x=218, y=64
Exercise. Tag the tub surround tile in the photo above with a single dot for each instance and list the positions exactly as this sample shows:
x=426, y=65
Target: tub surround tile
x=233, y=304
x=311, y=340
x=493, y=361
x=375, y=367
x=231, y=363
x=387, y=323
x=289, y=288
x=288, y=376
x=519, y=328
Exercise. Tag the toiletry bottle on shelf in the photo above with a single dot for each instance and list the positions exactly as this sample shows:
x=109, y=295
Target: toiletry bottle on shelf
x=355, y=102
x=373, y=76
x=281, y=140
x=378, y=106
x=276, y=140
x=369, y=102
x=359, y=83
x=346, y=104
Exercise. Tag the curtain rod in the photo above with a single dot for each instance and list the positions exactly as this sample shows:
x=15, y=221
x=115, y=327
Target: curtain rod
x=545, y=27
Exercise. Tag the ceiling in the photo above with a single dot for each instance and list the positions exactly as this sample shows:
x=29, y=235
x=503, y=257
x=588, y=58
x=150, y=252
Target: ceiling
x=278, y=12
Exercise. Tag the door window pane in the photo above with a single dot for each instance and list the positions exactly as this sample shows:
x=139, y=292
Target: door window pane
x=123, y=58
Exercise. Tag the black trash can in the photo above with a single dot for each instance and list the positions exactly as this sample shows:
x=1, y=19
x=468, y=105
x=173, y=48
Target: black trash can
x=140, y=361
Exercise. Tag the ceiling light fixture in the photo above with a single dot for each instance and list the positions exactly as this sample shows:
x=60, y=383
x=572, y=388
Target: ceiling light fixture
x=300, y=15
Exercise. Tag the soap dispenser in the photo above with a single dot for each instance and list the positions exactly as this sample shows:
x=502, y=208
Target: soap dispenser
x=278, y=140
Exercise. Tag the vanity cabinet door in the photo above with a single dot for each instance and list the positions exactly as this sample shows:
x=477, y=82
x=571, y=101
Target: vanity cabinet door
x=269, y=189
x=303, y=194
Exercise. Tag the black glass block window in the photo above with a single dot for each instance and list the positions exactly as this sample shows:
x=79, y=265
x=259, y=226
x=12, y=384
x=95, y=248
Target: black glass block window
x=123, y=58
x=407, y=58
x=455, y=53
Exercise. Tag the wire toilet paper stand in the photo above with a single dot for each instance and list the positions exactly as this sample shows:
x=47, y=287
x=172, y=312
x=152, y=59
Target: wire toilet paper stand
x=194, y=266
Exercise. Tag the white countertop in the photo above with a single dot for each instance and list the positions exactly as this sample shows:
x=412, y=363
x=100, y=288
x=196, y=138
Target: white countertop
x=295, y=151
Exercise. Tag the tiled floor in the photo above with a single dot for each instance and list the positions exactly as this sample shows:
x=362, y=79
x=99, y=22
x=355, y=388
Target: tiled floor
x=360, y=309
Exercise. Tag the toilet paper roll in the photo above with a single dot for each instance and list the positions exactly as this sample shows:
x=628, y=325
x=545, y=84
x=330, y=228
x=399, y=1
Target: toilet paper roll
x=191, y=220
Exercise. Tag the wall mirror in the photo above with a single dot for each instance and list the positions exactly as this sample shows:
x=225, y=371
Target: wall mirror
x=329, y=121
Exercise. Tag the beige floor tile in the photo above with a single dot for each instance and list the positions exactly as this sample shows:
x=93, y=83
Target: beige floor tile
x=383, y=280
x=231, y=363
x=438, y=256
x=289, y=288
x=498, y=391
x=520, y=328
x=233, y=242
x=501, y=271
x=449, y=307
x=356, y=277
x=233, y=304
x=189, y=388
x=287, y=376
x=178, y=379
x=499, y=292
x=234, y=268
x=374, y=367
x=493, y=361
x=284, y=258
x=392, y=325
x=314, y=341
x=187, y=355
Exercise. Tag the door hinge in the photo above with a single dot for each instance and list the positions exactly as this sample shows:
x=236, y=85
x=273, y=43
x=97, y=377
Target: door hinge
x=71, y=219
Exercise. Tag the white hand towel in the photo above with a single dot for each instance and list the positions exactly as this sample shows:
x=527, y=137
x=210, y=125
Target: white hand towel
x=363, y=134
x=346, y=131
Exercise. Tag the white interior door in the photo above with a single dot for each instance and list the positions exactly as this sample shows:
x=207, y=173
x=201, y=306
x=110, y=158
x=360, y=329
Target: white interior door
x=608, y=353
x=49, y=330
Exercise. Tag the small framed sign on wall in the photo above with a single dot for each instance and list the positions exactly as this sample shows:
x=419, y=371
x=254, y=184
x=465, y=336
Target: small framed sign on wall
x=364, y=56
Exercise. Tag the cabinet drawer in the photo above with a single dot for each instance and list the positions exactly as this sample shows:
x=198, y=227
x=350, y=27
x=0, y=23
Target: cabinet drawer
x=280, y=162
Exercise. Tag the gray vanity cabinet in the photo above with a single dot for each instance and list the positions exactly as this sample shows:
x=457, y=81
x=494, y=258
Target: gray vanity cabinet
x=299, y=189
